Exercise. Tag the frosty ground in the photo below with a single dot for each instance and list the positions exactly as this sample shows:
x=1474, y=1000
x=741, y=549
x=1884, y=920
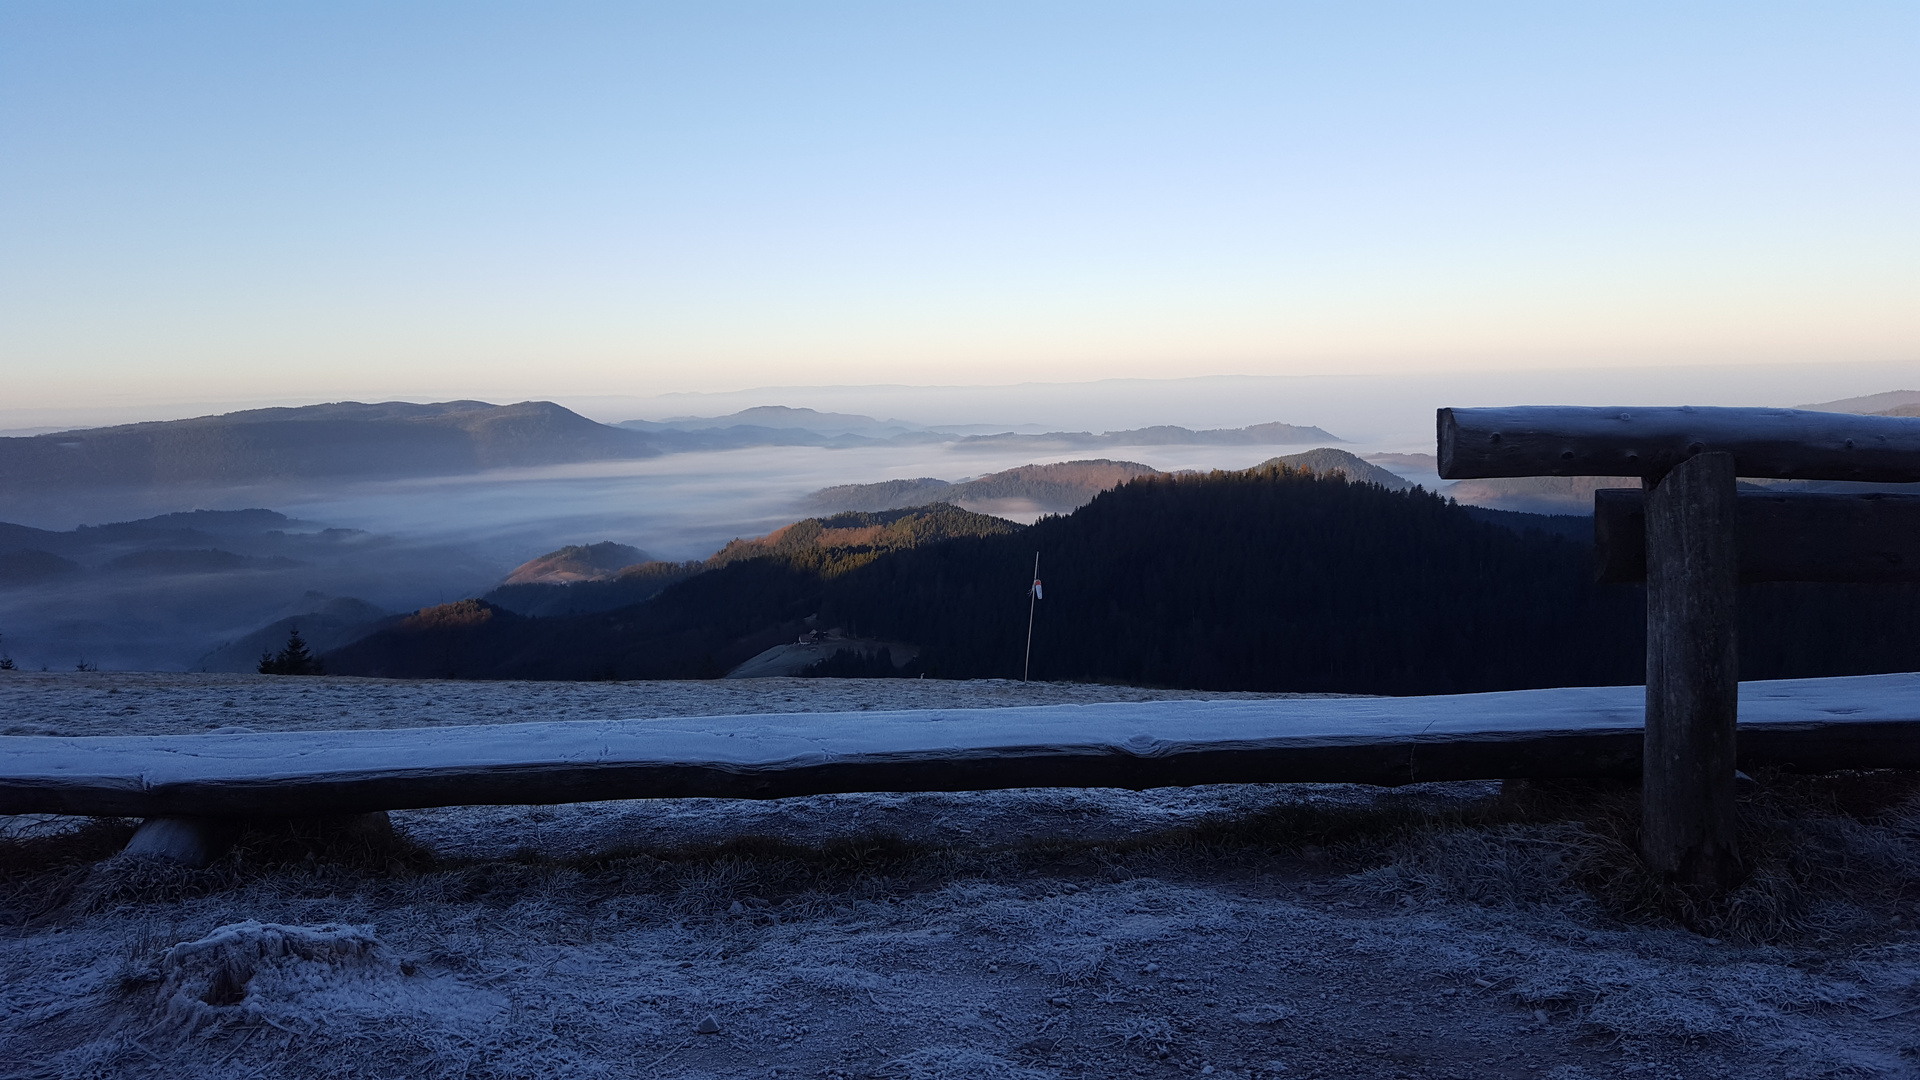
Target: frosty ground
x=1246, y=931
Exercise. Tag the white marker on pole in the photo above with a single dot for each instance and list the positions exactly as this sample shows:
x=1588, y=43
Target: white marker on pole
x=1033, y=596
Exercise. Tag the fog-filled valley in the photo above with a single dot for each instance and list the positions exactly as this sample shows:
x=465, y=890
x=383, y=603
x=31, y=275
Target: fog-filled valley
x=202, y=543
x=232, y=530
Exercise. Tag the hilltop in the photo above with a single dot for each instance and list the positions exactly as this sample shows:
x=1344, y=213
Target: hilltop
x=834, y=545
x=1327, y=461
x=714, y=614
x=577, y=562
x=346, y=439
x=1273, y=578
x=1055, y=488
x=1064, y=486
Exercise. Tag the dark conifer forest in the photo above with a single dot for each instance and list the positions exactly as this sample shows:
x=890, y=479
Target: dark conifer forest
x=1268, y=579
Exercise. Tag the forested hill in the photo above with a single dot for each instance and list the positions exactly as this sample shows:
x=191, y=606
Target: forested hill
x=342, y=439
x=834, y=545
x=1268, y=579
x=823, y=546
x=1054, y=488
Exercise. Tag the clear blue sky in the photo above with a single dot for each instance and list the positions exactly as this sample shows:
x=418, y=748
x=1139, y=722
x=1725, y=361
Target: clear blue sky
x=310, y=201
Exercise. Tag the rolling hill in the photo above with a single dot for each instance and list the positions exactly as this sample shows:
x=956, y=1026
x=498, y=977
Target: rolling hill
x=165, y=592
x=1055, y=488
x=577, y=562
x=827, y=545
x=340, y=440
x=748, y=597
x=629, y=585
x=1061, y=487
x=329, y=625
x=1272, y=578
x=834, y=545
x=1883, y=404
x=1327, y=461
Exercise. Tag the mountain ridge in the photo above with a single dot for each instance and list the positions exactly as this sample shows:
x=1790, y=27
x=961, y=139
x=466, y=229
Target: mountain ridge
x=338, y=440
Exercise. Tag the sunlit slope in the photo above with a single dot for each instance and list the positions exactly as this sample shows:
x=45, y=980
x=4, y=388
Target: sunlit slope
x=1270, y=578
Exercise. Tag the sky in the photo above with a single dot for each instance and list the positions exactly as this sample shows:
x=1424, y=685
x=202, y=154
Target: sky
x=206, y=204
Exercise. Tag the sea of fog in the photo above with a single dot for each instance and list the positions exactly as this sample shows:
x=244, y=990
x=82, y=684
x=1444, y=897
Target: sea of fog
x=681, y=506
x=428, y=541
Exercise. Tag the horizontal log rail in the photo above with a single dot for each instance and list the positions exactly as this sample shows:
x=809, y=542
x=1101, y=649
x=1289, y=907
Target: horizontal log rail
x=1811, y=725
x=1693, y=539
x=1782, y=536
x=1554, y=440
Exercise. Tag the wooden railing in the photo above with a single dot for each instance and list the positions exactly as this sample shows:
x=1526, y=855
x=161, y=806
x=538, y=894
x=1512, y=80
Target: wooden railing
x=1693, y=539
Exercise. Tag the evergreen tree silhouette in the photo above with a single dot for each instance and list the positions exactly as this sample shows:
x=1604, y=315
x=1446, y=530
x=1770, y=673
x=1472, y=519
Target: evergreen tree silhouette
x=294, y=659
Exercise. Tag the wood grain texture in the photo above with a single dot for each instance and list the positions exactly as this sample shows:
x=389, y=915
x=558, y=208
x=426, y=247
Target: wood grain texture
x=1553, y=440
x=1812, y=725
x=1782, y=536
x=1689, y=833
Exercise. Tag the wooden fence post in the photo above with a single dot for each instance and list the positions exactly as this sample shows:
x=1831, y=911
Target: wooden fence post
x=1689, y=834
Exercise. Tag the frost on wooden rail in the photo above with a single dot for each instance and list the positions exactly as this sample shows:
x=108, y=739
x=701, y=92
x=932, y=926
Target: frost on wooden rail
x=1567, y=440
x=1805, y=724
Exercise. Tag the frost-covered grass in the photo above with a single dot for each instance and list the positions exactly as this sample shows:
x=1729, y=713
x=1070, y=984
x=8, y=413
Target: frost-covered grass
x=142, y=703
x=1260, y=931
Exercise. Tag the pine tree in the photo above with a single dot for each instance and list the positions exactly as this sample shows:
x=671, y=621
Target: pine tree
x=294, y=659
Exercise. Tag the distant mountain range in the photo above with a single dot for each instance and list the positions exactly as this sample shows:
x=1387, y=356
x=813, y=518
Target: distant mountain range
x=781, y=425
x=777, y=425
x=782, y=418
x=353, y=440
x=1890, y=403
x=1163, y=435
x=187, y=542
x=336, y=441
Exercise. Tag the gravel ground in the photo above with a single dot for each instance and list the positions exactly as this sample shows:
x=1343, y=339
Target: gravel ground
x=1250, y=931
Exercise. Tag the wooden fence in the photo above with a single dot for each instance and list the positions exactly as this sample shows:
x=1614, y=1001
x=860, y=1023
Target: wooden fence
x=1694, y=539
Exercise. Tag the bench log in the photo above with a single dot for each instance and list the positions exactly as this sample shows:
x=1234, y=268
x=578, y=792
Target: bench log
x=1788, y=444
x=1808, y=725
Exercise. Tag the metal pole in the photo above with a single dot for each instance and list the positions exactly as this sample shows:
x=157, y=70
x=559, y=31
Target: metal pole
x=1026, y=668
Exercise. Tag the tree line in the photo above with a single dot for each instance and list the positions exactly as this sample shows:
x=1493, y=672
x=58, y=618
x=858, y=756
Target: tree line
x=1264, y=579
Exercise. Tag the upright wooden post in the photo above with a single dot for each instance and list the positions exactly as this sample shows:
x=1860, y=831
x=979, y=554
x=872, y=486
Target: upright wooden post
x=1693, y=572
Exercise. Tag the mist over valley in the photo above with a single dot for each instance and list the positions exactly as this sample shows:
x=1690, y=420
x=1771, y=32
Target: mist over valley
x=379, y=510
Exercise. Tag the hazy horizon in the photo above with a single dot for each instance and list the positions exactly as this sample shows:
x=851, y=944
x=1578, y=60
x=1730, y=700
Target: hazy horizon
x=580, y=200
x=1392, y=411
